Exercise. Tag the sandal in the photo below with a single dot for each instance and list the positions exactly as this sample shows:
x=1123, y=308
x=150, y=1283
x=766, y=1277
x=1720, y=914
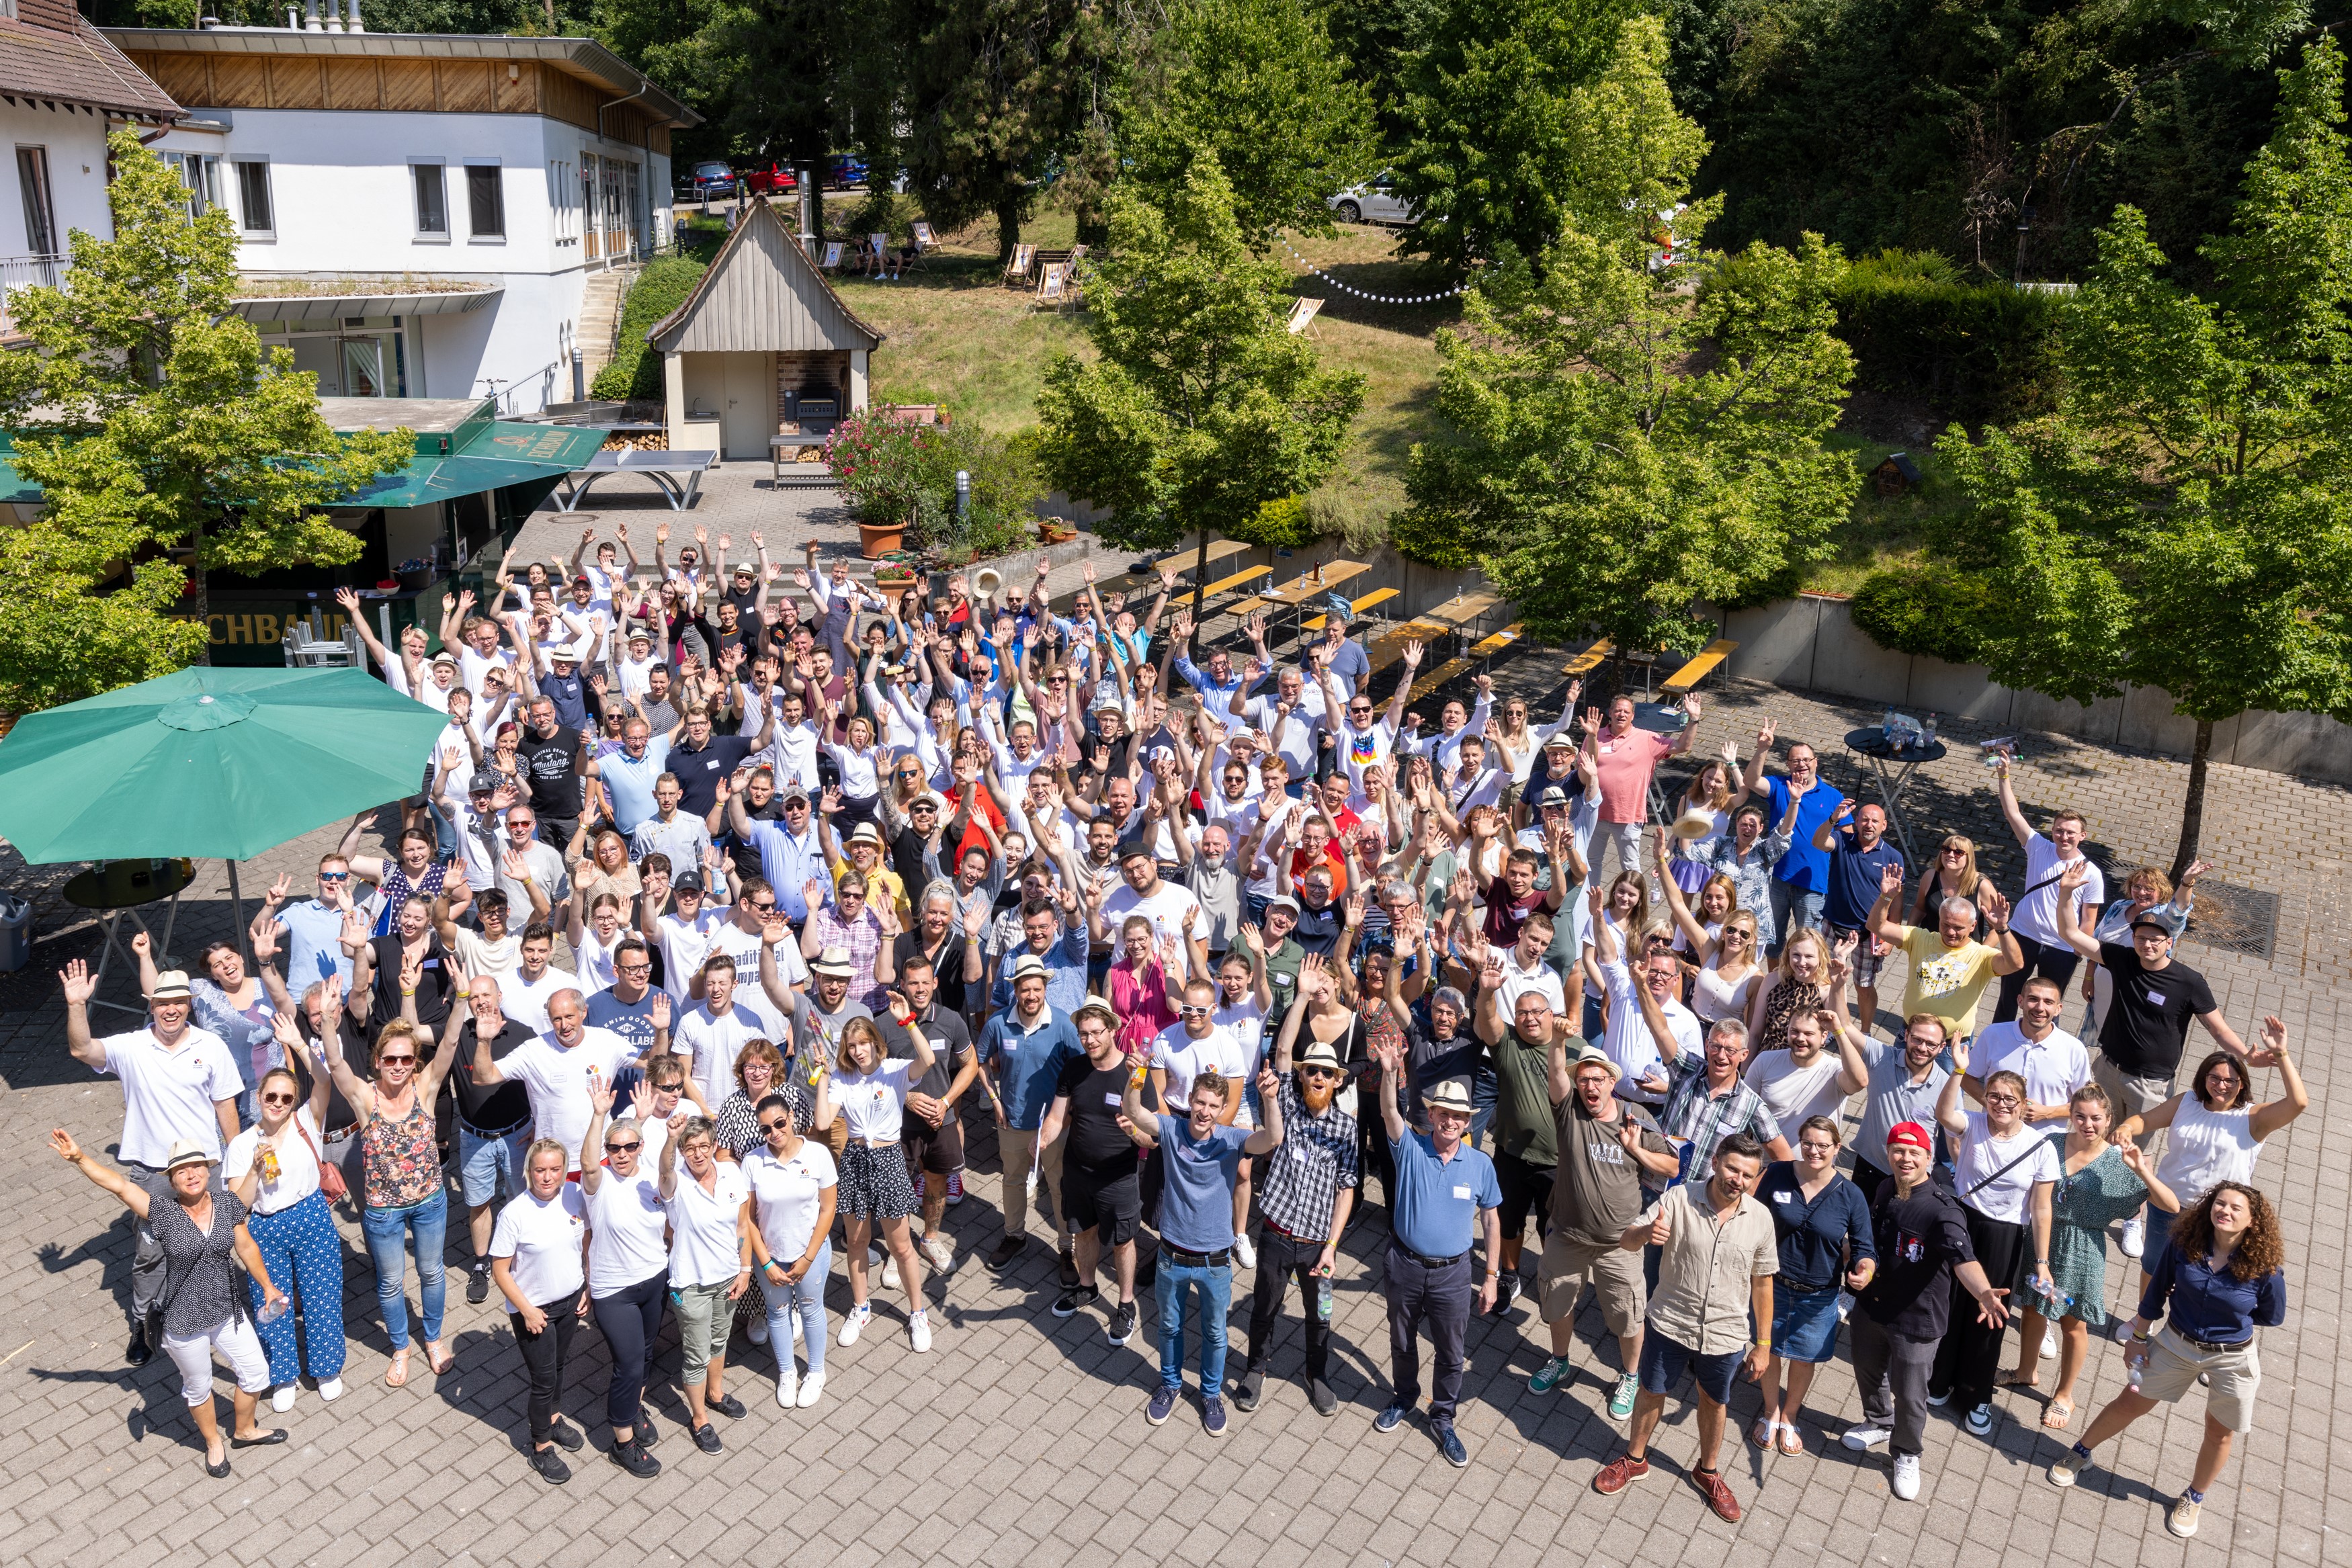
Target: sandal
x=2019, y=1378
x=1760, y=1434
x=1792, y=1442
x=2056, y=1414
x=439, y=1368
x=396, y=1374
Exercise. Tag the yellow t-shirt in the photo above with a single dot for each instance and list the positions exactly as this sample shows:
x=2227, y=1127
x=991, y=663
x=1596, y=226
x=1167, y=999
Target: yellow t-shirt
x=1946, y=981
x=881, y=879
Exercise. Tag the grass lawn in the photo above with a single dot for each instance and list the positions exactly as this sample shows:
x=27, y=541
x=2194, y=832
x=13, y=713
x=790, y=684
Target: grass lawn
x=1883, y=529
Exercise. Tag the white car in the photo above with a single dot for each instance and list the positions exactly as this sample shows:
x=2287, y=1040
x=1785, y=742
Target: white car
x=1375, y=202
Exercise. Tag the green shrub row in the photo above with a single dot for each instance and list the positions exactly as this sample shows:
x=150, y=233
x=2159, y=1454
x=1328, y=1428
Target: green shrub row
x=635, y=371
x=1977, y=351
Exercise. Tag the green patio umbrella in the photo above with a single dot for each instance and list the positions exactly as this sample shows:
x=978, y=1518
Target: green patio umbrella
x=212, y=763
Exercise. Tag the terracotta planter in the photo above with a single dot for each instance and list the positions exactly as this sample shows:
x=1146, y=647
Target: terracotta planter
x=874, y=540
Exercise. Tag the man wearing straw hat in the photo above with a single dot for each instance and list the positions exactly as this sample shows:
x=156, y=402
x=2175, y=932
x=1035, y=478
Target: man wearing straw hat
x=1445, y=1190
x=1308, y=1188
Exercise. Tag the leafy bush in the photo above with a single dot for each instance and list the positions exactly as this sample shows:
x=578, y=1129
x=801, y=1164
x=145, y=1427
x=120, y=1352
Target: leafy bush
x=636, y=371
x=1983, y=351
x=1284, y=523
x=1418, y=539
x=893, y=470
x=1934, y=610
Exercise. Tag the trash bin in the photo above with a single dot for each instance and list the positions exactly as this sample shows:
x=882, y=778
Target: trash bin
x=15, y=933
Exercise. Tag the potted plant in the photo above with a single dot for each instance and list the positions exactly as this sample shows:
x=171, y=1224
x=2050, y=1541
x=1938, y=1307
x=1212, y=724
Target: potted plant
x=882, y=464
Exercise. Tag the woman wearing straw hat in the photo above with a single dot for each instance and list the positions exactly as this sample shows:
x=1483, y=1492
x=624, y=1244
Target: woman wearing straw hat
x=201, y=1308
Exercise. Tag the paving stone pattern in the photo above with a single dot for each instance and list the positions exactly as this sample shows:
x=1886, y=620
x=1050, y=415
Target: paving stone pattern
x=1020, y=1440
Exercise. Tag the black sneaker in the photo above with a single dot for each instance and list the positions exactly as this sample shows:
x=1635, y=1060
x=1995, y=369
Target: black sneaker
x=1247, y=1392
x=727, y=1404
x=478, y=1284
x=1122, y=1323
x=1006, y=1252
x=644, y=1435
x=1069, y=1301
x=631, y=1457
x=568, y=1438
x=706, y=1438
x=1066, y=1266
x=1319, y=1395
x=1507, y=1292
x=550, y=1466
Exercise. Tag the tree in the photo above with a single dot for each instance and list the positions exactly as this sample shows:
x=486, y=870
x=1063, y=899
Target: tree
x=152, y=421
x=1200, y=407
x=2183, y=519
x=1628, y=449
x=1497, y=138
x=1259, y=83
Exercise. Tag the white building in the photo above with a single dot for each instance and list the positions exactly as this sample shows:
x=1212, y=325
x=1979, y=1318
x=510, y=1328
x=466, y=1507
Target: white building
x=62, y=88
x=422, y=215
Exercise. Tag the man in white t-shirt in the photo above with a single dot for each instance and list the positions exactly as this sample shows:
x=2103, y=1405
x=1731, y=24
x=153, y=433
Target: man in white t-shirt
x=2053, y=1063
x=1628, y=1036
x=2034, y=920
x=524, y=994
x=713, y=1033
x=1174, y=912
x=1291, y=720
x=683, y=936
x=554, y=1068
x=1806, y=1079
x=1361, y=740
x=178, y=1081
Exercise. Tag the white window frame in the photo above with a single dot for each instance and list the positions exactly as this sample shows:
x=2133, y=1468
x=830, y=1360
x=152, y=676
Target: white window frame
x=423, y=236
x=499, y=184
x=267, y=233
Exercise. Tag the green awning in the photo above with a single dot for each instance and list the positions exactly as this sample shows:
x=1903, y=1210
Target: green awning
x=14, y=486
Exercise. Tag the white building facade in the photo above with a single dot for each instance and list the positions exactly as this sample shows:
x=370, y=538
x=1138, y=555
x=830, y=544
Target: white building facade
x=420, y=215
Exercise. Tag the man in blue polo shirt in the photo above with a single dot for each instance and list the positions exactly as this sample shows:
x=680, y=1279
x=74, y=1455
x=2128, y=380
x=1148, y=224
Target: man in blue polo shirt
x=1445, y=1191
x=1022, y=1050
x=1801, y=882
x=1859, y=852
x=628, y=775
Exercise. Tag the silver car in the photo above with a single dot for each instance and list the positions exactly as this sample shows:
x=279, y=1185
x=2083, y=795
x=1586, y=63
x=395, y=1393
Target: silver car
x=1375, y=202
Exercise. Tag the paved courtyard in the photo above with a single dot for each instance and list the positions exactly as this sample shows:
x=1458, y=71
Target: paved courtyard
x=1021, y=1440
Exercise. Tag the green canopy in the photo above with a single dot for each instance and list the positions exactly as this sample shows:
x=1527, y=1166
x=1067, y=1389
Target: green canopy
x=208, y=763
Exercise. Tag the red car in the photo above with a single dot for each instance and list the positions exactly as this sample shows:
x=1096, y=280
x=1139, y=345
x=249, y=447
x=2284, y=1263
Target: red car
x=769, y=179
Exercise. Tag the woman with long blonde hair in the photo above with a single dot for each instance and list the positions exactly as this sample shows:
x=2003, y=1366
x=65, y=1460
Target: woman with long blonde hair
x=1800, y=983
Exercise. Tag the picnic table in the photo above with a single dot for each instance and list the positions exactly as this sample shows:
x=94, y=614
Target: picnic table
x=1304, y=590
x=679, y=475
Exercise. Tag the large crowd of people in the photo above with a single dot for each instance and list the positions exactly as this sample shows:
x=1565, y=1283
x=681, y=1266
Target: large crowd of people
x=735, y=903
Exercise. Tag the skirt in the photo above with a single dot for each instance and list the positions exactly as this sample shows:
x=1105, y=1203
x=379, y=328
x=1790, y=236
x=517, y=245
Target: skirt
x=874, y=1184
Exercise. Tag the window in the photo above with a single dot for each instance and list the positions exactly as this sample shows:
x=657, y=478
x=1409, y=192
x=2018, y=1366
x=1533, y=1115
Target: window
x=253, y=197
x=201, y=175
x=486, y=207
x=40, y=213
x=432, y=200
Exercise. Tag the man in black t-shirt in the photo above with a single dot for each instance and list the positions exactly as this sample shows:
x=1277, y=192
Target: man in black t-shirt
x=553, y=762
x=701, y=759
x=493, y=1122
x=1101, y=1193
x=1900, y=1314
x=931, y=1132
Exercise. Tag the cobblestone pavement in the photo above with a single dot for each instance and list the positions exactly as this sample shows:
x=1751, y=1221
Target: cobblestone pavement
x=1020, y=1440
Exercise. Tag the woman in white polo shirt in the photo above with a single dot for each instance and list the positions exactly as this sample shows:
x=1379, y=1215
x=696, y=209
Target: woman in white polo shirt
x=628, y=1261
x=538, y=1262
x=794, y=1186
x=710, y=1266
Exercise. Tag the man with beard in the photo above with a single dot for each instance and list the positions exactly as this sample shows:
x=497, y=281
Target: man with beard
x=1309, y=1188
x=1101, y=1185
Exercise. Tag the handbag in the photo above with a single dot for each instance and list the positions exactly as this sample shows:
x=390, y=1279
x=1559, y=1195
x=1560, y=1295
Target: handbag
x=330, y=1176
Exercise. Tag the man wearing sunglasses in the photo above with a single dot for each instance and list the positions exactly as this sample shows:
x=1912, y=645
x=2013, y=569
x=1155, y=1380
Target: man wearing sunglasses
x=1308, y=1191
x=314, y=929
x=1362, y=741
x=792, y=852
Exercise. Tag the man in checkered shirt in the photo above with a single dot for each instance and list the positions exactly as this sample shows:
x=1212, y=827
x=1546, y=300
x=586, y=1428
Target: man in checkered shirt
x=1308, y=1187
x=1709, y=1101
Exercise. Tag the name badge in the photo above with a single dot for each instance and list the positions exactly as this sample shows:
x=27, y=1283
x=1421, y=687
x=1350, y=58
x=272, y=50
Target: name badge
x=1727, y=1128
x=1463, y=1193
x=2155, y=998
x=1110, y=1099
x=1784, y=1198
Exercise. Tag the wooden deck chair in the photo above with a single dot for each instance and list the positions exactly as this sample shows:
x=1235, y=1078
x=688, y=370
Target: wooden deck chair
x=1017, y=269
x=879, y=244
x=832, y=262
x=924, y=244
x=1050, y=285
x=1303, y=311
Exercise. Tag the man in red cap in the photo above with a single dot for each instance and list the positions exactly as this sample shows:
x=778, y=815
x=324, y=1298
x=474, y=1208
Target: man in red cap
x=1900, y=1317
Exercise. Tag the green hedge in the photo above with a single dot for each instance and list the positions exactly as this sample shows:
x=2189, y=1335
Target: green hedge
x=636, y=371
x=1980, y=351
x=1934, y=609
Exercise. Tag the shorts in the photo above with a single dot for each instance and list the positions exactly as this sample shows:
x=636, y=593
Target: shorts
x=2174, y=1365
x=1663, y=1359
x=1527, y=1188
x=2128, y=1096
x=1866, y=963
x=1804, y=1322
x=1111, y=1199
x=935, y=1151
x=485, y=1164
x=1615, y=1275
x=239, y=1345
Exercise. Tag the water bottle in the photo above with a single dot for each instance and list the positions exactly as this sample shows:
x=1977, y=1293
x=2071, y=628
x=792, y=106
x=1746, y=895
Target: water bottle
x=269, y=1311
x=1323, y=1300
x=1886, y=728
x=1929, y=738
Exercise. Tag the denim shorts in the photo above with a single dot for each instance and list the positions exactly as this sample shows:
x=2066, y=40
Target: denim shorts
x=1664, y=1360
x=1804, y=1324
x=484, y=1163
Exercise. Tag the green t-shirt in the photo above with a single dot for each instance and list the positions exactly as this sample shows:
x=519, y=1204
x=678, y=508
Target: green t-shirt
x=1524, y=1126
x=1282, y=984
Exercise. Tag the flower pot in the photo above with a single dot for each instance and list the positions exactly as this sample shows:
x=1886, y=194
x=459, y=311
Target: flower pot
x=874, y=538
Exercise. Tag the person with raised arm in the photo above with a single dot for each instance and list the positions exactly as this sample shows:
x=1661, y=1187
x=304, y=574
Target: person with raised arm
x=539, y=1260
x=628, y=1261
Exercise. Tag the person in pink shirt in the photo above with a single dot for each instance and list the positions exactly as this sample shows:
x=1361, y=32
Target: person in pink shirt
x=1623, y=759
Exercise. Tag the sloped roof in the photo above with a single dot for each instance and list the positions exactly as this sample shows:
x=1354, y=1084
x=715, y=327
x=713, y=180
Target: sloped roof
x=77, y=65
x=761, y=294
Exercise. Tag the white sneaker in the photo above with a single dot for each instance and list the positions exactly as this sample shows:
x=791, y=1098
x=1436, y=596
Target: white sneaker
x=1866, y=1437
x=1905, y=1481
x=918, y=1333
x=1244, y=1253
x=890, y=1274
x=2050, y=1342
x=2135, y=1240
x=940, y=1251
x=788, y=1386
x=854, y=1323
x=758, y=1332
x=331, y=1390
x=811, y=1389
x=281, y=1399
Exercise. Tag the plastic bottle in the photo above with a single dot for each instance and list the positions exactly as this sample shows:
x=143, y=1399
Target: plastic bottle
x=269, y=1311
x=1323, y=1300
x=1929, y=738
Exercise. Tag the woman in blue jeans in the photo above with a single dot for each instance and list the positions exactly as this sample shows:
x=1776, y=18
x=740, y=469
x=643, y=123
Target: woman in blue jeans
x=629, y=1262
x=402, y=1195
x=794, y=1189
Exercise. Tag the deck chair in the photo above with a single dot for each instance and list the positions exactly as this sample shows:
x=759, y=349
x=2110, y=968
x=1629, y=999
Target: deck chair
x=925, y=242
x=880, y=246
x=1303, y=311
x=832, y=261
x=1017, y=269
x=1050, y=285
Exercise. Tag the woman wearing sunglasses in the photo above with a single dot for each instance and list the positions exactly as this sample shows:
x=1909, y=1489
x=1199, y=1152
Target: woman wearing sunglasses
x=538, y=1260
x=273, y=1167
x=1952, y=874
x=794, y=1187
x=629, y=1262
x=403, y=1199
x=2005, y=1174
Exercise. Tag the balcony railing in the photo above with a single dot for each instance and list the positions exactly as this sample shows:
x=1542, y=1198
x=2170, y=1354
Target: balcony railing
x=26, y=272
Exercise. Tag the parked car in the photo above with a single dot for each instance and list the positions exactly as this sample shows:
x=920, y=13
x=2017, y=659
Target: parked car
x=770, y=179
x=711, y=179
x=1374, y=202
x=844, y=169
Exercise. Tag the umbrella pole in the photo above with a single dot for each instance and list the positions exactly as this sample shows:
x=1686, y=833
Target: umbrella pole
x=236, y=902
